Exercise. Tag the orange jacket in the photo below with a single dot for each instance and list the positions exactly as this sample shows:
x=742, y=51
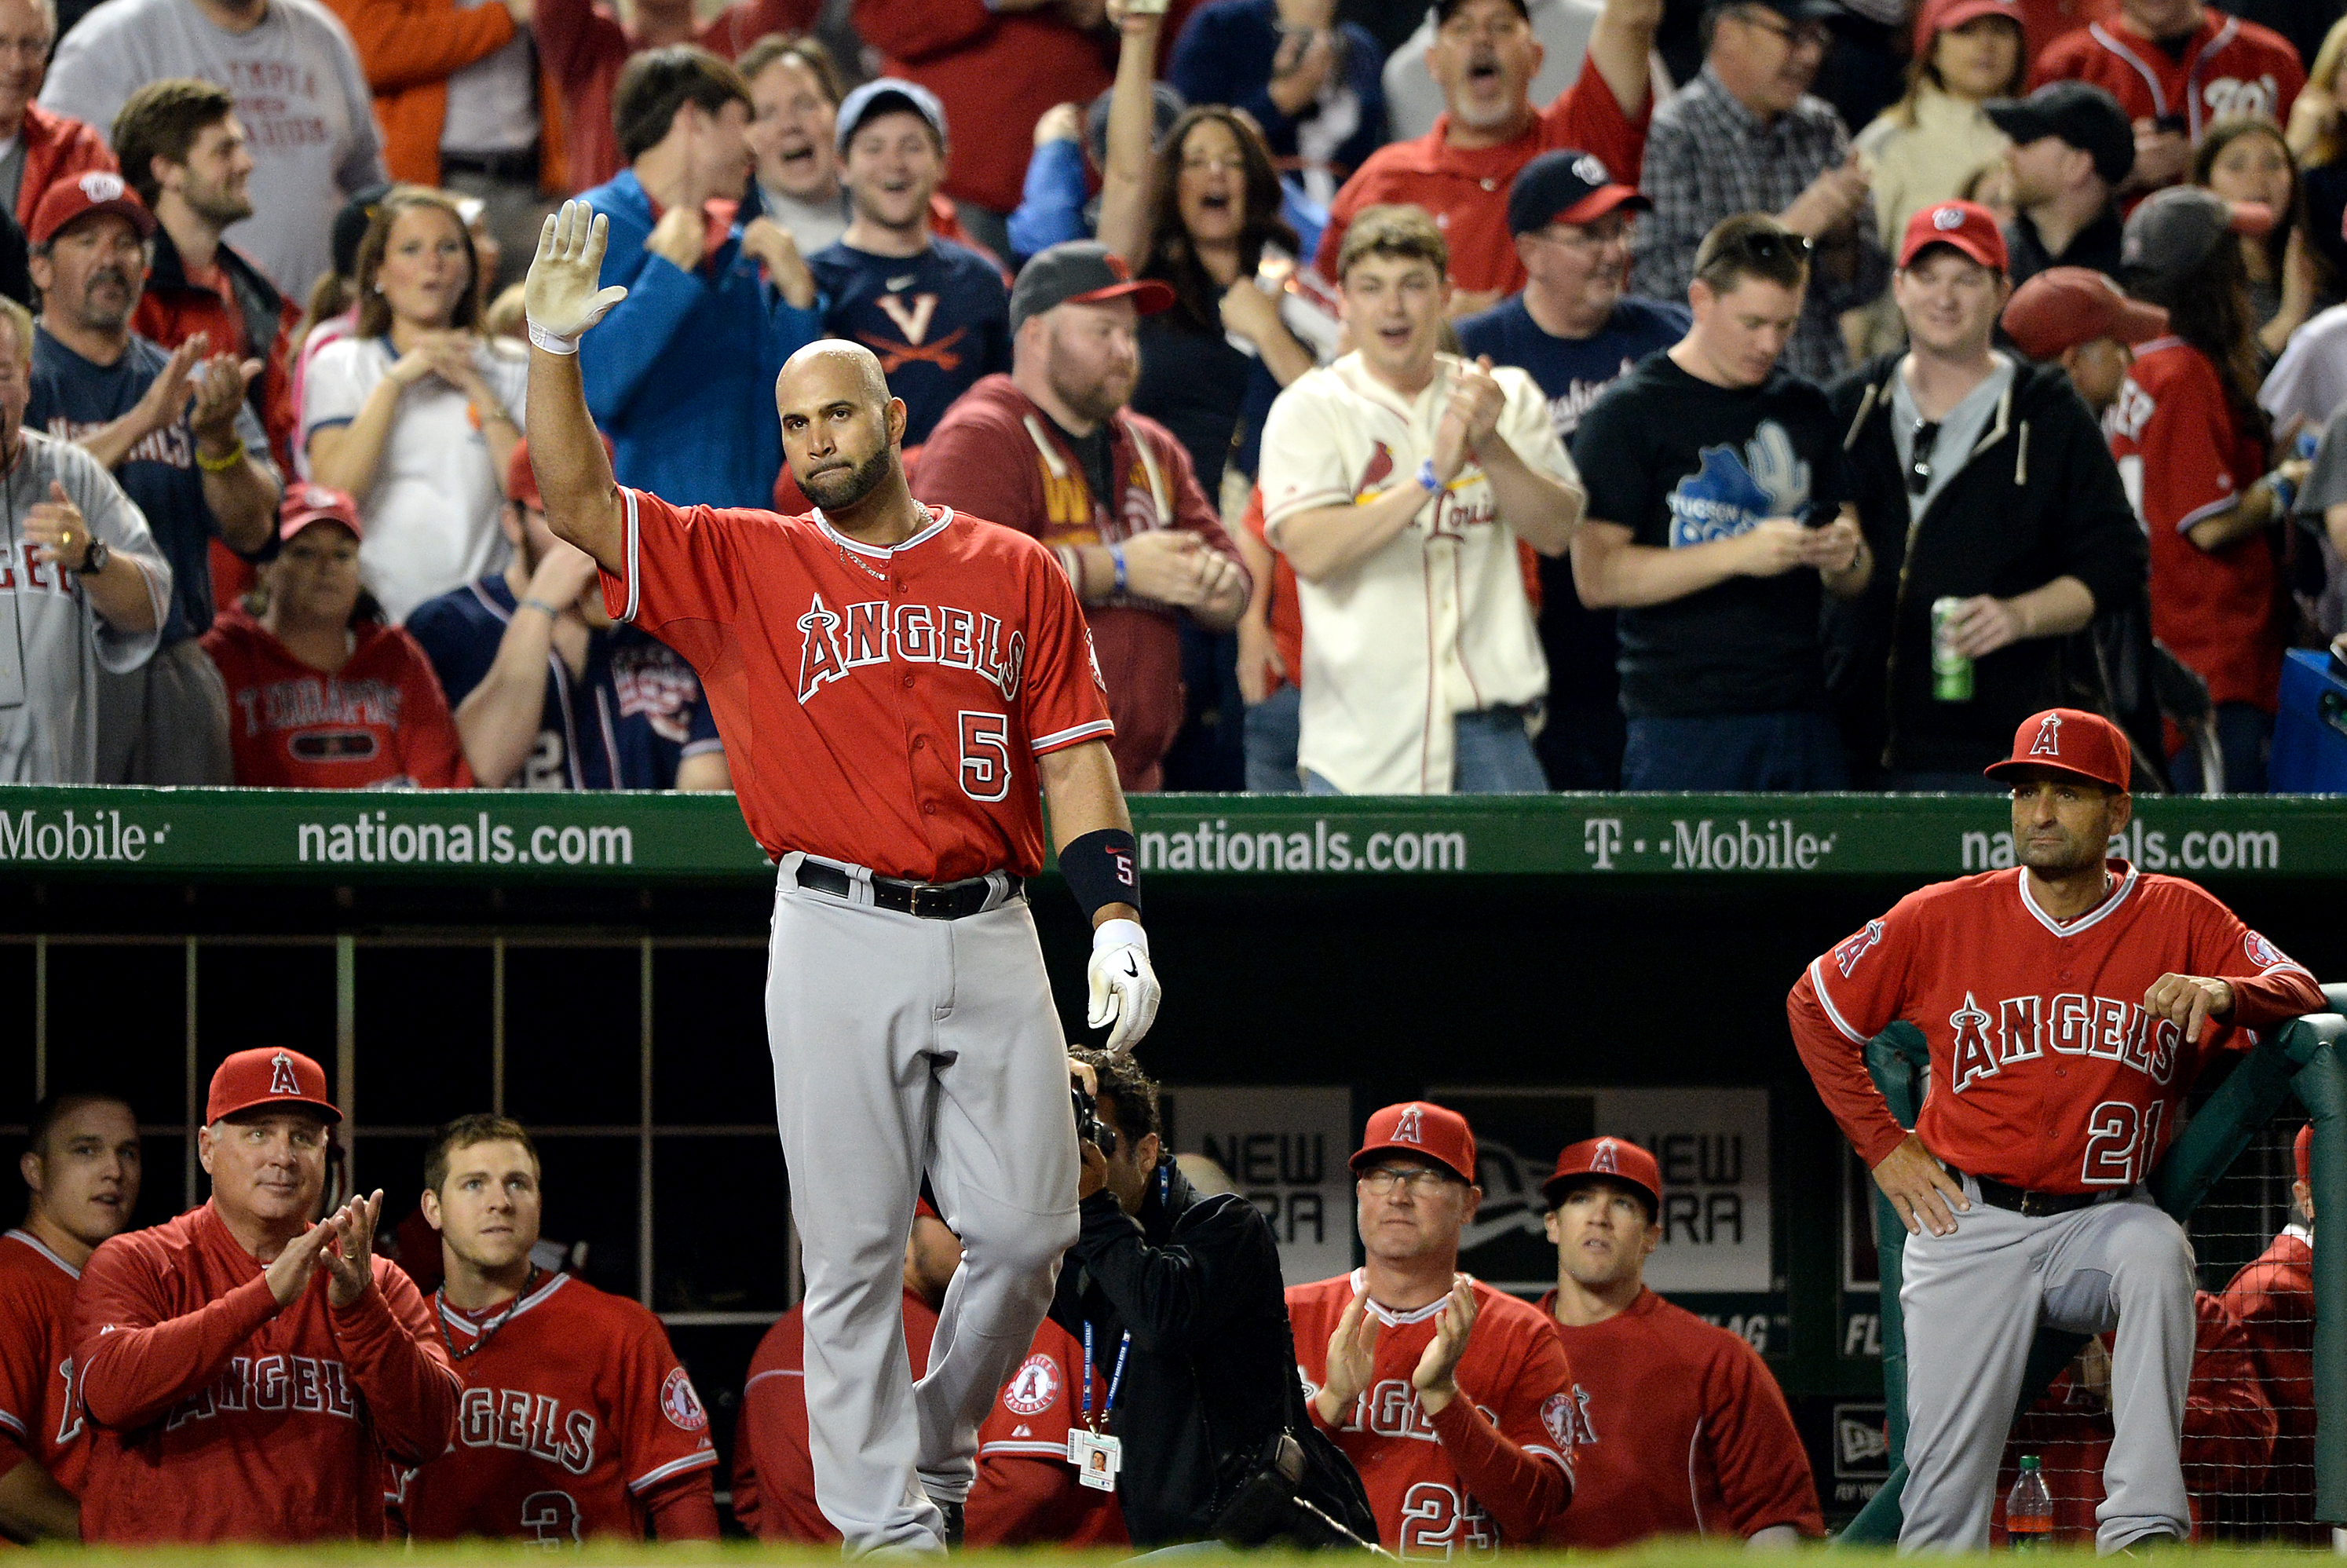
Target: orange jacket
x=409, y=48
x=56, y=148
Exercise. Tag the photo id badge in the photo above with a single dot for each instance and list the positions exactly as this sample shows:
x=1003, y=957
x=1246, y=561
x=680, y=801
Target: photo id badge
x=1097, y=1458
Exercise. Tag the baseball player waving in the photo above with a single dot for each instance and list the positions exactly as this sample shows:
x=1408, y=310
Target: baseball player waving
x=2069, y=1004
x=893, y=684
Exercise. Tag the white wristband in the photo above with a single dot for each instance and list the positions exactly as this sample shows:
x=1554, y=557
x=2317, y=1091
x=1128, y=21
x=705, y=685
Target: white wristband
x=1120, y=934
x=551, y=342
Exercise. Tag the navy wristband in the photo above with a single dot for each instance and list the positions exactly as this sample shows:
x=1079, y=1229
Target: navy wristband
x=1103, y=868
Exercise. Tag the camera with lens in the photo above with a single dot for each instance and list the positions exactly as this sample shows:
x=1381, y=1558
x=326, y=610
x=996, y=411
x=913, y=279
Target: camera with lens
x=1088, y=1126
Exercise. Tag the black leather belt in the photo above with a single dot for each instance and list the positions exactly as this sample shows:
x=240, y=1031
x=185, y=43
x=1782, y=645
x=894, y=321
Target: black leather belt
x=928, y=900
x=505, y=167
x=2022, y=1201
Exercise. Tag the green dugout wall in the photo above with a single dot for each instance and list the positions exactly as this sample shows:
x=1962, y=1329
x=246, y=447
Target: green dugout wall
x=592, y=964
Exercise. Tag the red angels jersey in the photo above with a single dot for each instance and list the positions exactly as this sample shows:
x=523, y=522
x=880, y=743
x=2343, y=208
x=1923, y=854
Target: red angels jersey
x=2184, y=458
x=2273, y=1298
x=575, y=1411
x=1676, y=1427
x=38, y=1413
x=1513, y=1370
x=2045, y=1071
x=774, y=1479
x=2229, y=1427
x=880, y=707
x=2229, y=68
x=1026, y=1492
x=215, y=1415
x=380, y=720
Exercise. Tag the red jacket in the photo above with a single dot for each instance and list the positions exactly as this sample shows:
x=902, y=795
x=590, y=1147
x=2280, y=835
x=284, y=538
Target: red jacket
x=57, y=146
x=581, y=47
x=995, y=454
x=2229, y=68
x=2274, y=1299
x=216, y=1416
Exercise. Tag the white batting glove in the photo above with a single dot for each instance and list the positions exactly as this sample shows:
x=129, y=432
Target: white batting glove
x=1124, y=988
x=559, y=294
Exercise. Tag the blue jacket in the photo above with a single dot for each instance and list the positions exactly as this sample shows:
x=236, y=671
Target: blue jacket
x=1223, y=56
x=680, y=375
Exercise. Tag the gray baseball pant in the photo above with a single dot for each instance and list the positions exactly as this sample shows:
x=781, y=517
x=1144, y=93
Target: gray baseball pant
x=902, y=1044
x=1973, y=1300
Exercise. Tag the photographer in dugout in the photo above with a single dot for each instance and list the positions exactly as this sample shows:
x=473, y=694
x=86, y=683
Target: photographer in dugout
x=1176, y=1299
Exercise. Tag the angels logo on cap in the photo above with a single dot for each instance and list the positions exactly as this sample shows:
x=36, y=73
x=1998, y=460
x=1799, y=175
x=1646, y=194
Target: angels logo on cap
x=1605, y=1159
x=1948, y=217
x=680, y=1404
x=2048, y=743
x=281, y=1076
x=1590, y=168
x=1407, y=1129
x=99, y=185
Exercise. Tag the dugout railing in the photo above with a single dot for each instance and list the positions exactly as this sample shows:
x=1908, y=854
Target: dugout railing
x=2304, y=1061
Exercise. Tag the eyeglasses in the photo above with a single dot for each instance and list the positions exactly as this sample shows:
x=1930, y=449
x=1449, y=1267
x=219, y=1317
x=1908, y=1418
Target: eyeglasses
x=1803, y=35
x=1229, y=162
x=1586, y=236
x=1919, y=459
x=1383, y=1179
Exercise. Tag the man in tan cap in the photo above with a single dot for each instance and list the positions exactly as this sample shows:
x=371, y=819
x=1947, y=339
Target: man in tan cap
x=245, y=1370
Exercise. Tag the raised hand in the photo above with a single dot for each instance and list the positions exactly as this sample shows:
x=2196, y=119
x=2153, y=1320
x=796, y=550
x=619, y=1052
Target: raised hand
x=1352, y=1360
x=349, y=1262
x=1432, y=1380
x=220, y=386
x=289, y=1272
x=561, y=294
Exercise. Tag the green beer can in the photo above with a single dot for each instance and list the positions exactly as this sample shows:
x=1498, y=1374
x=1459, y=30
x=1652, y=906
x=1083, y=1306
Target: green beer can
x=1952, y=672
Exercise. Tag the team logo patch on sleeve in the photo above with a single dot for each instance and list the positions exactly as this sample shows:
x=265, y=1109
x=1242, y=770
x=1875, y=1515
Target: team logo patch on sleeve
x=1853, y=949
x=680, y=1404
x=1034, y=1388
x=2262, y=953
x=1566, y=1416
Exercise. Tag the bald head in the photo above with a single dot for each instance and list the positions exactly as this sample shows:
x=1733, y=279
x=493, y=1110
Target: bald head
x=841, y=429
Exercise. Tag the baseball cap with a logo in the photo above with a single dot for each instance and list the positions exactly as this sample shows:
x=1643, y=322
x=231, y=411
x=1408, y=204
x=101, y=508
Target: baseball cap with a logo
x=1966, y=225
x=2069, y=740
x=2172, y=231
x=265, y=1079
x=1568, y=187
x=1617, y=1159
x=883, y=95
x=1419, y=1127
x=2079, y=113
x=1081, y=273
x=2063, y=307
x=1934, y=18
x=307, y=503
x=76, y=196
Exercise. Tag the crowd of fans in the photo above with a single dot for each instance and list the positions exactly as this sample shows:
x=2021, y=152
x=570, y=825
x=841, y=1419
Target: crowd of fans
x=1560, y=398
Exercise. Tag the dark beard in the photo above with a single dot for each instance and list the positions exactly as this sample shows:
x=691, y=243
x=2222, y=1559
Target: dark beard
x=834, y=491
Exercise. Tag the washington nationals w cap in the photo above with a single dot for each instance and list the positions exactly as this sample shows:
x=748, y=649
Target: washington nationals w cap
x=2080, y=114
x=1566, y=187
x=1418, y=1127
x=2069, y=740
x=1084, y=272
x=75, y=197
x=267, y=1076
x=307, y=503
x=1966, y=225
x=1617, y=1159
x=2063, y=307
x=882, y=95
x=1936, y=17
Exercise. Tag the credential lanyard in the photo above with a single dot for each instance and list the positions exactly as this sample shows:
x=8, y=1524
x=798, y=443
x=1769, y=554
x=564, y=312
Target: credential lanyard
x=1115, y=1378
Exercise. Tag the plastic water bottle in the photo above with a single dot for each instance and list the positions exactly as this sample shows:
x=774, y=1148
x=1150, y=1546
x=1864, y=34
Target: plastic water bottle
x=2029, y=1509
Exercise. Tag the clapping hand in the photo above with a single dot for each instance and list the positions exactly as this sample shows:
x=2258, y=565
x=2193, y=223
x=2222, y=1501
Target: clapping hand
x=1432, y=1380
x=561, y=293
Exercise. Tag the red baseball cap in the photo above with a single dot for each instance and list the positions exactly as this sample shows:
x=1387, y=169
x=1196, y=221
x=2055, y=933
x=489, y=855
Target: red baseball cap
x=1936, y=17
x=1418, y=1127
x=2069, y=740
x=1616, y=1158
x=267, y=1076
x=1967, y=225
x=2063, y=307
x=307, y=503
x=2302, y=1153
x=75, y=197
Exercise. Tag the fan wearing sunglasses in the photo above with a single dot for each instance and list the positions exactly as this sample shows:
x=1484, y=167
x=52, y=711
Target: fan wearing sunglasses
x=1980, y=478
x=1718, y=476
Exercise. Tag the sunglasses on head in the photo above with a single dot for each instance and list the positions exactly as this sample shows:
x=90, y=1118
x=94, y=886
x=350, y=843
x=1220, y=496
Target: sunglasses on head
x=1770, y=245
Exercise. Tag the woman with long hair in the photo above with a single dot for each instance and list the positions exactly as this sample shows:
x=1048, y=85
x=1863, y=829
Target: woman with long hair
x=2191, y=444
x=2243, y=158
x=321, y=693
x=1923, y=147
x=416, y=413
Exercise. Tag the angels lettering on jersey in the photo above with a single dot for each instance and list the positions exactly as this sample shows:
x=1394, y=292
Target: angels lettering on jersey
x=835, y=643
x=1733, y=493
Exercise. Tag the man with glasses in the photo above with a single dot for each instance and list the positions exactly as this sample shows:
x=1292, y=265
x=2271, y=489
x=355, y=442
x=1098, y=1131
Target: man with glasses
x=1745, y=134
x=1575, y=332
x=1718, y=517
x=1452, y=1398
x=1982, y=481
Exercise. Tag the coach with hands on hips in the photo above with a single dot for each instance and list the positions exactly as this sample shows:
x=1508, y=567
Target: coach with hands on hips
x=2066, y=1004
x=900, y=691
